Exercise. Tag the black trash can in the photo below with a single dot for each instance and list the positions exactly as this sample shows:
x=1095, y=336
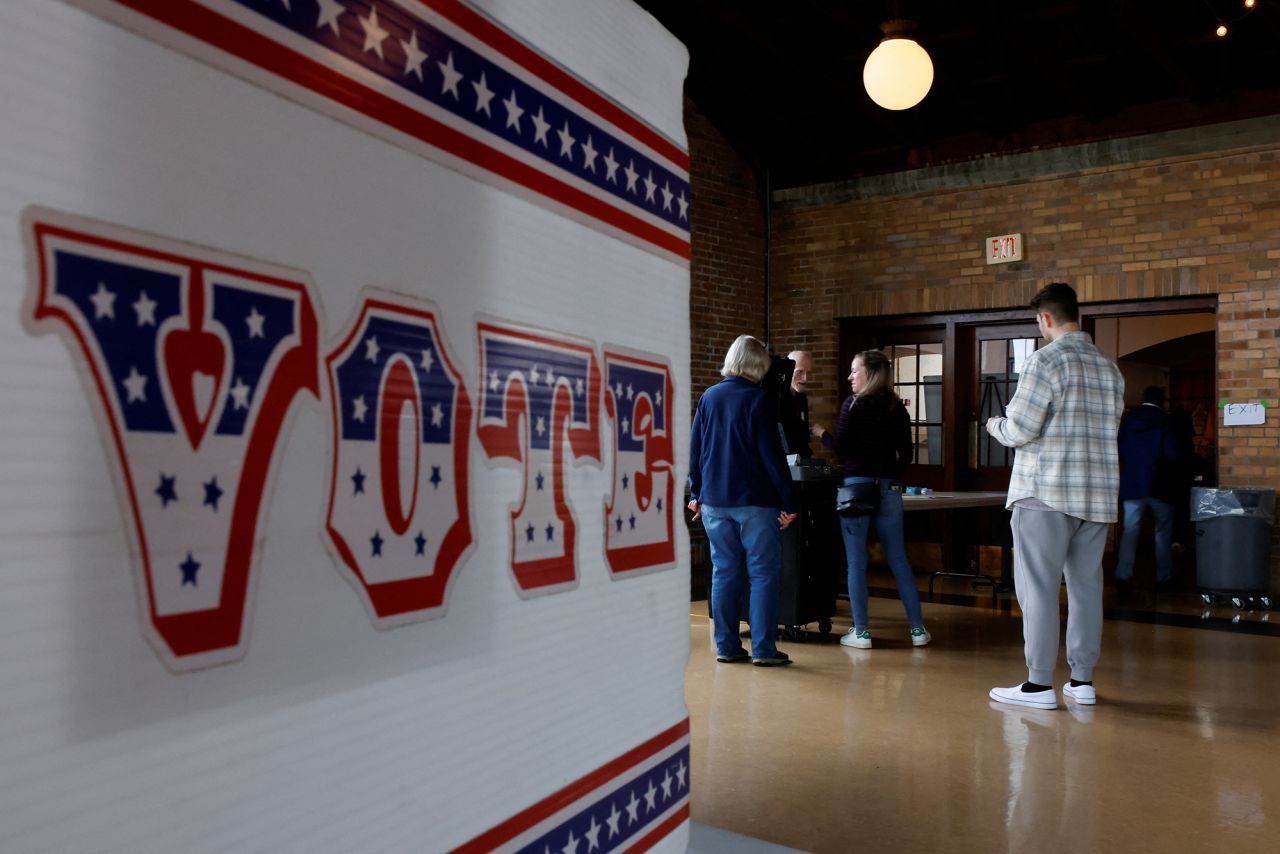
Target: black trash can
x=1233, y=544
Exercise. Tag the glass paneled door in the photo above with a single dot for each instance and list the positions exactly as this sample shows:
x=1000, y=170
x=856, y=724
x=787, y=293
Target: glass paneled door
x=919, y=381
x=998, y=353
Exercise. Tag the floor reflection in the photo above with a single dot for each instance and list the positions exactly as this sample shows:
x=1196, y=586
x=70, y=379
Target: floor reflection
x=898, y=749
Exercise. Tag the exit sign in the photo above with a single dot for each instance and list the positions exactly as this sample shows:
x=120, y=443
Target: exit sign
x=1004, y=249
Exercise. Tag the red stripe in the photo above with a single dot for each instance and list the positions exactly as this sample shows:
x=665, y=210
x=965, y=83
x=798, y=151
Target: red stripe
x=654, y=836
x=552, y=804
x=254, y=47
x=501, y=40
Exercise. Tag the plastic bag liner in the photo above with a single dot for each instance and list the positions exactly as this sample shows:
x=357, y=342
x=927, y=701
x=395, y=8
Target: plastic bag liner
x=1254, y=502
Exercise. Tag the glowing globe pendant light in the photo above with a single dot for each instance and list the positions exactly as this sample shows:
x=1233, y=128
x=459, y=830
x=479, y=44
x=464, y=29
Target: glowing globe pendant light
x=898, y=73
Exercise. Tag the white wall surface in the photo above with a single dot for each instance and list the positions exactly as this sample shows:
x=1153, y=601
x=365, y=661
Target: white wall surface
x=329, y=734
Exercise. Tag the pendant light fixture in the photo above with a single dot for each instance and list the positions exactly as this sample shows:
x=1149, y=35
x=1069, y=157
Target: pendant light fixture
x=899, y=72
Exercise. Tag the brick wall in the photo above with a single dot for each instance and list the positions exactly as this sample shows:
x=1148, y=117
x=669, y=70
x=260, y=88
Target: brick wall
x=1208, y=224
x=726, y=295
x=727, y=269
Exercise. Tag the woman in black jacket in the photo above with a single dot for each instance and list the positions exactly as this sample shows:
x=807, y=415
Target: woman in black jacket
x=873, y=442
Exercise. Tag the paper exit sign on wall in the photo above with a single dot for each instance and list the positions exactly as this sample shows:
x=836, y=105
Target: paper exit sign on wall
x=1004, y=249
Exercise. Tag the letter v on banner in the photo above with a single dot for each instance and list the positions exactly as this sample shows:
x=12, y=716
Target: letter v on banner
x=541, y=391
x=196, y=358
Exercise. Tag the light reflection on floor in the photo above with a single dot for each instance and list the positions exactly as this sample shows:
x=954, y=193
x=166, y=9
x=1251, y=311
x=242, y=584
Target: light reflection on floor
x=899, y=749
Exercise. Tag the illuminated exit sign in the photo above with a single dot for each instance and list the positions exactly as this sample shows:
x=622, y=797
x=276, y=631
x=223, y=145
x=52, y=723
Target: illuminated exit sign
x=1004, y=249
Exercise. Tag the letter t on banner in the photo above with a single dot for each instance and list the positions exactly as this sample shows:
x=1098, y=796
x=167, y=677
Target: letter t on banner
x=540, y=390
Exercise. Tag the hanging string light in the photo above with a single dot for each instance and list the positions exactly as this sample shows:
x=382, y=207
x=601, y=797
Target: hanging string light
x=1250, y=6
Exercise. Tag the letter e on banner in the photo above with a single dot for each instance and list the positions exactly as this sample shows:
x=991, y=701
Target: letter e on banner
x=196, y=358
x=399, y=513
x=639, y=526
x=541, y=392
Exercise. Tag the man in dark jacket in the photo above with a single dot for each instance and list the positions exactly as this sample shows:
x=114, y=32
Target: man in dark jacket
x=794, y=406
x=1147, y=449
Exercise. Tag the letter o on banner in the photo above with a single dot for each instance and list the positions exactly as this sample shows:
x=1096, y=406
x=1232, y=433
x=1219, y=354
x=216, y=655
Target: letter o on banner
x=399, y=387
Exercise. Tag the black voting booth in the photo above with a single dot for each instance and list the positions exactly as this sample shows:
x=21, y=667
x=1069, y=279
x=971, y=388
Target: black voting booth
x=812, y=553
x=812, y=550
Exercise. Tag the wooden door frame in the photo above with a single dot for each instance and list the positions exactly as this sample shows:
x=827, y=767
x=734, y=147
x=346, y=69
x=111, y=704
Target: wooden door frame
x=854, y=331
x=968, y=397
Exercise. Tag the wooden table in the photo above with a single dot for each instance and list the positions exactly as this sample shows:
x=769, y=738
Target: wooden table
x=955, y=550
x=951, y=500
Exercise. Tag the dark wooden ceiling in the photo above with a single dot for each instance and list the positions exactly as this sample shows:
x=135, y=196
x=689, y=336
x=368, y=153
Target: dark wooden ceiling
x=782, y=79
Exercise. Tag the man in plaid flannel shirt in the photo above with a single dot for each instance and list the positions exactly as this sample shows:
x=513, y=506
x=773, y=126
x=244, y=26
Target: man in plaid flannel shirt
x=1063, y=420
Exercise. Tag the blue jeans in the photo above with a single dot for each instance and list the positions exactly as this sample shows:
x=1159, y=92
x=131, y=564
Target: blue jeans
x=888, y=521
x=745, y=541
x=1134, y=509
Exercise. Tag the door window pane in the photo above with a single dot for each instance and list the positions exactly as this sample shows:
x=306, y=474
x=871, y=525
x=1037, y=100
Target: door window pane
x=1001, y=360
x=917, y=381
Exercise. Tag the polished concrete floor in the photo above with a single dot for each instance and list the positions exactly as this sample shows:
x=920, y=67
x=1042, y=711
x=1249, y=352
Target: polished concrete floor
x=898, y=749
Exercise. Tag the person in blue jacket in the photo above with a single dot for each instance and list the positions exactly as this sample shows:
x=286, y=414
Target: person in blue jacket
x=740, y=485
x=1148, y=448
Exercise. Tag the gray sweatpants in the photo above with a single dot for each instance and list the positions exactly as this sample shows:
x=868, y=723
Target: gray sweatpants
x=1047, y=544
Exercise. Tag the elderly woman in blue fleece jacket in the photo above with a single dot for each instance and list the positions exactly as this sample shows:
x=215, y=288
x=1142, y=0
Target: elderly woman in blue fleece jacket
x=740, y=485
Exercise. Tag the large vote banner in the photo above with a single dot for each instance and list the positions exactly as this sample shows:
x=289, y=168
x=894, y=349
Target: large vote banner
x=343, y=346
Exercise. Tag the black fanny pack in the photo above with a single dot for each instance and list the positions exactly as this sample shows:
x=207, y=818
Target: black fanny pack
x=858, y=499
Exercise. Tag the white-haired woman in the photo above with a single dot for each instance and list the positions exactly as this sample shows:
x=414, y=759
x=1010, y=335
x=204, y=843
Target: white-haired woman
x=740, y=484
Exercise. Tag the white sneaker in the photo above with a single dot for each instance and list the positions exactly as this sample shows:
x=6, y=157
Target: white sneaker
x=1082, y=694
x=1015, y=696
x=920, y=636
x=857, y=639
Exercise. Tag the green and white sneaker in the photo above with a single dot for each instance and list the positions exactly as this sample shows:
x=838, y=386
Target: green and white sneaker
x=920, y=636
x=857, y=638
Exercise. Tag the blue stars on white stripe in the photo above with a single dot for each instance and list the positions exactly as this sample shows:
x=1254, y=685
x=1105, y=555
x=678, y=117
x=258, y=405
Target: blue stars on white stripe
x=166, y=490
x=212, y=492
x=189, y=568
